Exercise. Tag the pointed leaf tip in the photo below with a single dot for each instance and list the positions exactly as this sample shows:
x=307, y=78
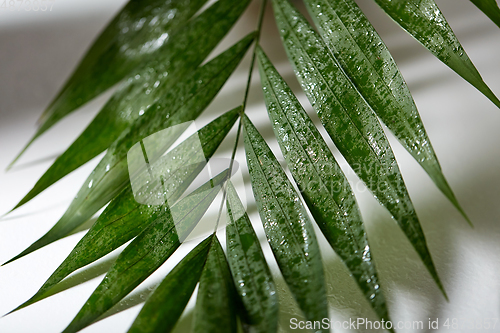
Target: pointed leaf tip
x=490, y=8
x=425, y=22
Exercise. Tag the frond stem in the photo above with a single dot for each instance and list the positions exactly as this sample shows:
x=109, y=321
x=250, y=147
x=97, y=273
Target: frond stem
x=252, y=62
x=260, y=21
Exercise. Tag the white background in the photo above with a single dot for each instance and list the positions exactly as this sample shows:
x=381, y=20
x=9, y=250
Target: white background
x=39, y=50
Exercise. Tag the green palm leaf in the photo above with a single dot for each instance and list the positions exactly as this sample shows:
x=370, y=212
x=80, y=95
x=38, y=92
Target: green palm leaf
x=164, y=307
x=137, y=33
x=423, y=20
x=253, y=280
x=324, y=187
x=142, y=88
x=215, y=310
x=368, y=63
x=288, y=228
x=125, y=218
x=350, y=122
x=181, y=104
x=147, y=252
x=155, y=51
x=490, y=8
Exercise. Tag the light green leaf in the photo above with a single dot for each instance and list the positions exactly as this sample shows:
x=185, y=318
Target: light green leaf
x=368, y=63
x=324, y=187
x=142, y=88
x=181, y=104
x=490, y=8
x=141, y=30
x=350, y=122
x=125, y=218
x=423, y=20
x=215, y=310
x=148, y=251
x=252, y=277
x=164, y=307
x=288, y=227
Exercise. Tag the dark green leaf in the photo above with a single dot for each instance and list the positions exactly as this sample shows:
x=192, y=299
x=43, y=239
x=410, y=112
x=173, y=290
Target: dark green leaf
x=423, y=20
x=181, y=104
x=288, y=228
x=215, y=310
x=140, y=31
x=323, y=185
x=253, y=280
x=350, y=122
x=164, y=307
x=490, y=8
x=368, y=63
x=148, y=251
x=142, y=88
x=125, y=218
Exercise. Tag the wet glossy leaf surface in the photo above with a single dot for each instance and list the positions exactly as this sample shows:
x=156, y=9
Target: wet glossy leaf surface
x=183, y=103
x=250, y=272
x=324, y=187
x=143, y=87
x=350, y=122
x=155, y=49
x=490, y=8
x=164, y=307
x=125, y=218
x=424, y=21
x=141, y=31
x=366, y=60
x=215, y=310
x=148, y=251
x=288, y=228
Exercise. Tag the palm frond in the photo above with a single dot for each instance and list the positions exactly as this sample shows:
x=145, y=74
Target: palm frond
x=156, y=53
